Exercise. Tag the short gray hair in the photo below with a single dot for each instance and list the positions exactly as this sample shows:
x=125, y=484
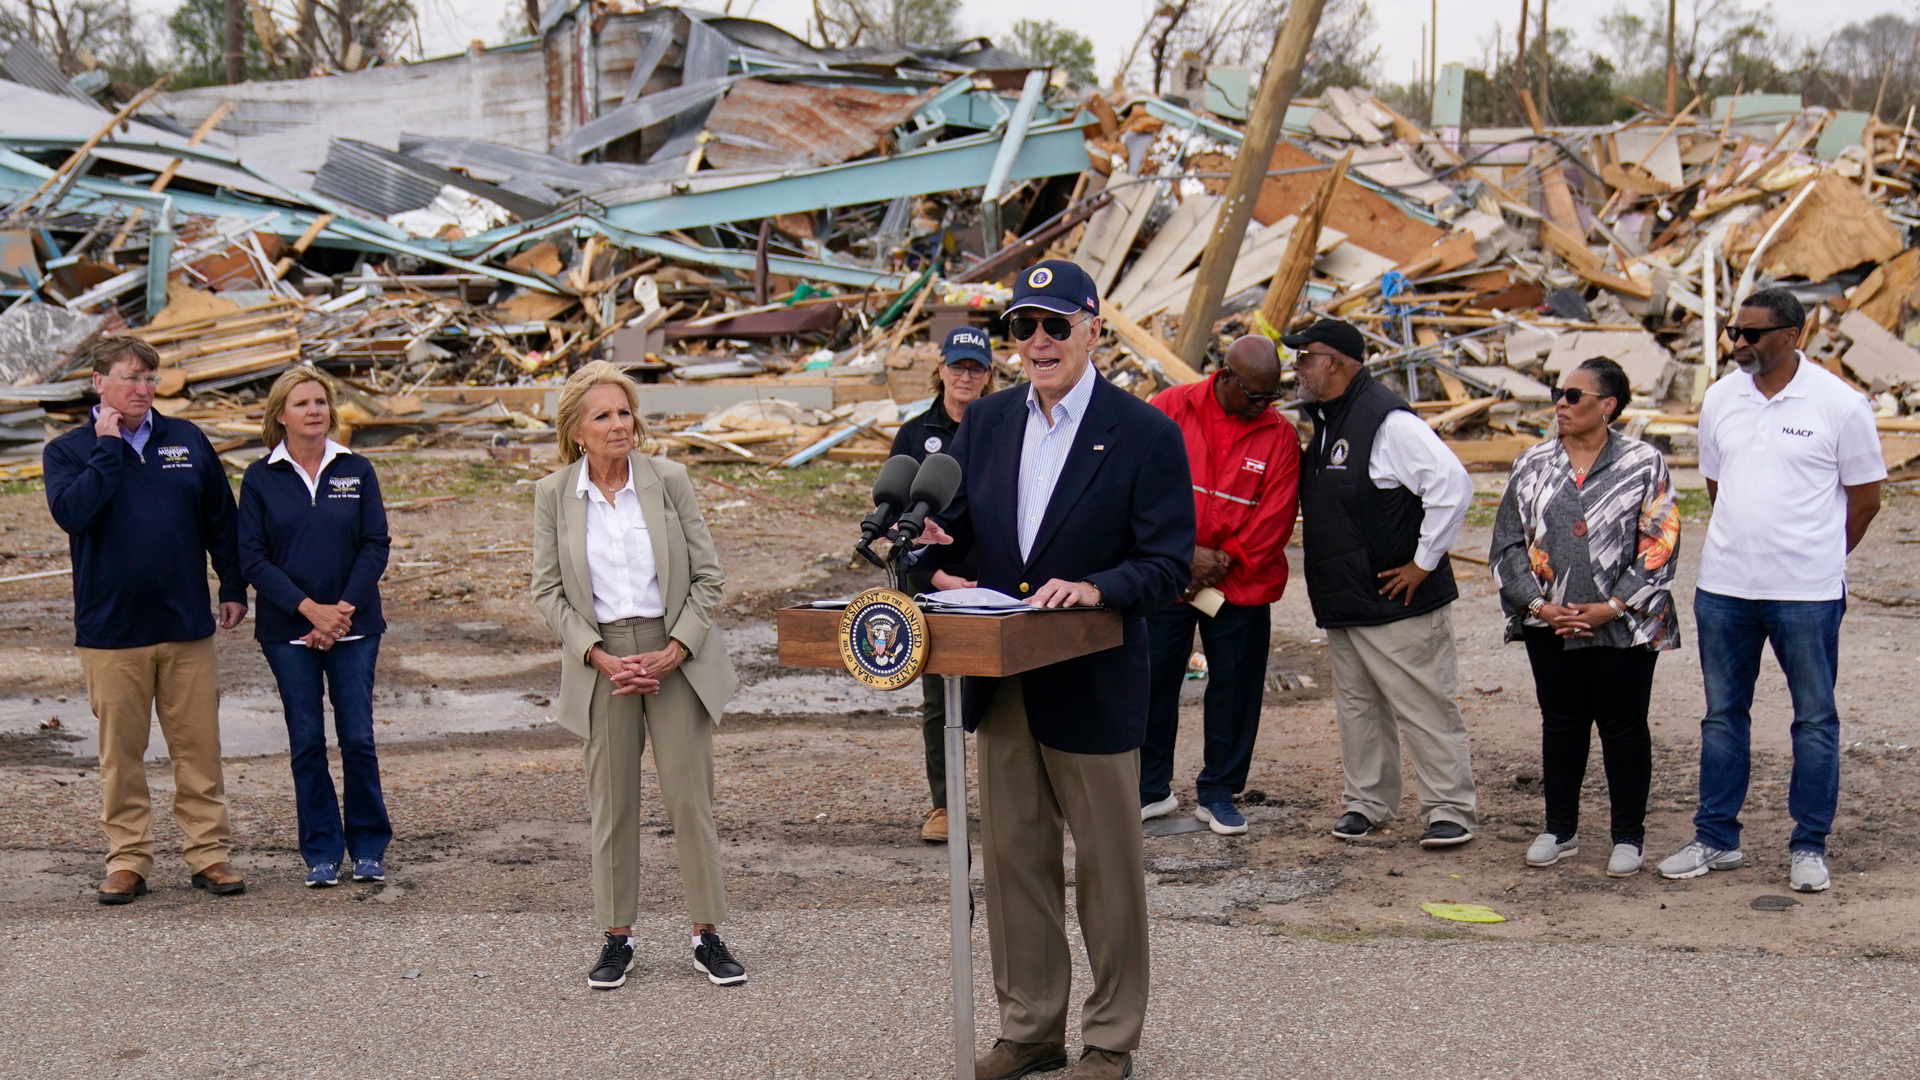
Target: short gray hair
x=1786, y=308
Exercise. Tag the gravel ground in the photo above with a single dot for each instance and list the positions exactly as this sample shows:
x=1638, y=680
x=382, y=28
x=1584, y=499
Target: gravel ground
x=860, y=993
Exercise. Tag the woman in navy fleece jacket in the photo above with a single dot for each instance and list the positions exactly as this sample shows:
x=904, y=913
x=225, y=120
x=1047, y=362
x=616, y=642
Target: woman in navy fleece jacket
x=313, y=544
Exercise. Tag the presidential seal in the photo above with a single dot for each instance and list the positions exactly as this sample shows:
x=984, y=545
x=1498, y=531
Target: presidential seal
x=883, y=639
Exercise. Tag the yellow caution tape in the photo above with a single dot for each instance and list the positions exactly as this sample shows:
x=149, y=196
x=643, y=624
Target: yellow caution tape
x=1473, y=913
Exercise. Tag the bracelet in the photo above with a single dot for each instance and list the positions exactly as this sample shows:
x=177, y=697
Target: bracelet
x=1538, y=603
x=1619, y=609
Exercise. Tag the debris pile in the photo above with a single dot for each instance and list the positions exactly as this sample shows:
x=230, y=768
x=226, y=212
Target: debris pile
x=773, y=236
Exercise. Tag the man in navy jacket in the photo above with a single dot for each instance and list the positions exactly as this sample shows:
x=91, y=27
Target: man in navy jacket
x=145, y=502
x=1075, y=493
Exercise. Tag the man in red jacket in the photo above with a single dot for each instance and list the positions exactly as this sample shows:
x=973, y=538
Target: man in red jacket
x=1245, y=462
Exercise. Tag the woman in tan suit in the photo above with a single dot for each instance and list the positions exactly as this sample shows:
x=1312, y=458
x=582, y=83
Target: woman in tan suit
x=626, y=573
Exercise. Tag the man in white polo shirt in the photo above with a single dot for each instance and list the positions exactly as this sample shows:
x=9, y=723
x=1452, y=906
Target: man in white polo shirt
x=1793, y=467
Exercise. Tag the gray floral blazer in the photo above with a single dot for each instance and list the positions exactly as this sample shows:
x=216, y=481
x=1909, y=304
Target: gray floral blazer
x=1615, y=535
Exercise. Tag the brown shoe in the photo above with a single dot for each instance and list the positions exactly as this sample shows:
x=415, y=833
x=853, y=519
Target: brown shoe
x=1009, y=1060
x=935, y=830
x=122, y=887
x=1098, y=1064
x=220, y=879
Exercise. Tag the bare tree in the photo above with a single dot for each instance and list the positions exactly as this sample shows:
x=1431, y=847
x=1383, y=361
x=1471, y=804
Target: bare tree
x=1242, y=32
x=842, y=24
x=77, y=34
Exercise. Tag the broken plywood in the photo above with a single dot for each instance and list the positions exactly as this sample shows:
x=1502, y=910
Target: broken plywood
x=1648, y=365
x=1837, y=229
x=1365, y=217
x=1172, y=250
x=1877, y=358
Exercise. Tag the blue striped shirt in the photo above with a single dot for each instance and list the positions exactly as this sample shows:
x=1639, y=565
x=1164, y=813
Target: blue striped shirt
x=1043, y=453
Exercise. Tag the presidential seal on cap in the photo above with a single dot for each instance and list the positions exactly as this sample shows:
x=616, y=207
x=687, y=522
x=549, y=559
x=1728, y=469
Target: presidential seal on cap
x=1057, y=286
x=883, y=639
x=966, y=343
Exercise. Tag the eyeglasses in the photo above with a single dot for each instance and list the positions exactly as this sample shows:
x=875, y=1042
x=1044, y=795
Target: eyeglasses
x=1258, y=399
x=969, y=370
x=149, y=381
x=1058, y=327
x=1753, y=334
x=1573, y=395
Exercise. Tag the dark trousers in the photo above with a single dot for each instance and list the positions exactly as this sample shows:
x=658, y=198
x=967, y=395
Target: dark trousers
x=1579, y=689
x=1236, y=642
x=344, y=674
x=933, y=732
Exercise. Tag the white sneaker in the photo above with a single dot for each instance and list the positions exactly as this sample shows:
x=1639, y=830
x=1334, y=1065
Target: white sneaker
x=1149, y=811
x=1697, y=858
x=1625, y=860
x=1547, y=850
x=1809, y=873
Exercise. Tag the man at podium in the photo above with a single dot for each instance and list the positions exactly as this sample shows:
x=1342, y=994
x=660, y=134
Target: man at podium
x=1074, y=493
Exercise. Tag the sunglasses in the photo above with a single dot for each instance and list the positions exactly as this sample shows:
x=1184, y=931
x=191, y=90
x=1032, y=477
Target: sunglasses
x=1573, y=395
x=1058, y=327
x=1752, y=334
x=1257, y=399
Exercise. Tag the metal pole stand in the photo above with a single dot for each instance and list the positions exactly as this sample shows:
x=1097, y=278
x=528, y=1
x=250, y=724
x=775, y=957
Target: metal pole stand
x=959, y=885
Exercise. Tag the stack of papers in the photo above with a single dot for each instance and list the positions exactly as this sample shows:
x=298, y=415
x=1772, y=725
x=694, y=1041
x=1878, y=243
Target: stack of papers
x=972, y=602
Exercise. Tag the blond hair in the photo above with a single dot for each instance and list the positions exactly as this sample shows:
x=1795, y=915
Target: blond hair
x=272, y=432
x=567, y=420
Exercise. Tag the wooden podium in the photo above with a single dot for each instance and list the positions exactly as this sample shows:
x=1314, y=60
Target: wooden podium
x=960, y=645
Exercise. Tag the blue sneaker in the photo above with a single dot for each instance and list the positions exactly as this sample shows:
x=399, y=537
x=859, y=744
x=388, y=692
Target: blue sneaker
x=324, y=876
x=1222, y=817
x=369, y=870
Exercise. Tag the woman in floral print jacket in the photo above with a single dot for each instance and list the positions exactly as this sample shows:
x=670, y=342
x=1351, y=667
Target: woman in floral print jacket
x=1583, y=552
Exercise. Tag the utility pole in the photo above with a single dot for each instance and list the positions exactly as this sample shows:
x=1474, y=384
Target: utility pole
x=235, y=40
x=1278, y=82
x=1520, y=54
x=1433, y=52
x=1546, y=64
x=1673, y=70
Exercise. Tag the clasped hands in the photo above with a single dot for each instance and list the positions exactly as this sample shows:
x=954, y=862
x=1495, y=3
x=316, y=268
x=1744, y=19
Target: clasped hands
x=331, y=622
x=1576, y=620
x=640, y=673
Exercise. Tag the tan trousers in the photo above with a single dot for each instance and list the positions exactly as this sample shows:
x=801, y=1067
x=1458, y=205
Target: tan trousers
x=682, y=754
x=1027, y=791
x=1396, y=682
x=124, y=686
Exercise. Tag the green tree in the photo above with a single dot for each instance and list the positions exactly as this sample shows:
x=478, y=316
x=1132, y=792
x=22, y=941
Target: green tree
x=199, y=41
x=1057, y=47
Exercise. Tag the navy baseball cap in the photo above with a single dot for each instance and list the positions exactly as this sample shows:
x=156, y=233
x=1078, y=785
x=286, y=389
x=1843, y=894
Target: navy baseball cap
x=1342, y=336
x=1057, y=286
x=966, y=343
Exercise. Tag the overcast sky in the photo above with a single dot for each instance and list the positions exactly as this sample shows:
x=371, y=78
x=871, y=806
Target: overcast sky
x=1466, y=26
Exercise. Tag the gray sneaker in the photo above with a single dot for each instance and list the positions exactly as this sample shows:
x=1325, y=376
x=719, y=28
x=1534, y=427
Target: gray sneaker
x=1809, y=873
x=1547, y=850
x=1625, y=860
x=1697, y=858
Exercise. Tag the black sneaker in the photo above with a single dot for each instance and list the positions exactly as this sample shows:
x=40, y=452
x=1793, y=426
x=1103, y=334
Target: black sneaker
x=711, y=956
x=1352, y=825
x=1445, y=834
x=616, y=959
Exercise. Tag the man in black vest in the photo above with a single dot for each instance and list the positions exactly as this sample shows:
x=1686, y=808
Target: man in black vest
x=1381, y=498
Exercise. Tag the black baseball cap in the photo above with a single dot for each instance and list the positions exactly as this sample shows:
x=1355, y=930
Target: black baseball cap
x=1342, y=336
x=1057, y=286
x=966, y=343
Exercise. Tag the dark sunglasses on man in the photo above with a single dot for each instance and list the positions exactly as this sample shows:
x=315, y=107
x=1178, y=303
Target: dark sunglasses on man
x=1058, y=327
x=1257, y=399
x=1752, y=334
x=1572, y=395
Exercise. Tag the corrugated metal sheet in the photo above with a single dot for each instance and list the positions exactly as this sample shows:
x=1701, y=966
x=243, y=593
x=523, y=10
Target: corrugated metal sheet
x=389, y=183
x=768, y=125
x=644, y=113
x=24, y=63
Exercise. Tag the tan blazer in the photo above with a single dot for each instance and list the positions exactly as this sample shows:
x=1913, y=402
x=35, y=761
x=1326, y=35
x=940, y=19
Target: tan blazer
x=690, y=581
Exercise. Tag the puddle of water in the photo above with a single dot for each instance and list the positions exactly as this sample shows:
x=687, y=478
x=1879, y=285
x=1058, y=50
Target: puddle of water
x=820, y=690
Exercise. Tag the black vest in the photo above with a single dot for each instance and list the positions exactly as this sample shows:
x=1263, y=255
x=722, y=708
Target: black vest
x=1353, y=529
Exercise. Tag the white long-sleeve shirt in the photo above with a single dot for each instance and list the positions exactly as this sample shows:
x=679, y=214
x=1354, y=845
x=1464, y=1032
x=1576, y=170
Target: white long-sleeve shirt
x=1407, y=453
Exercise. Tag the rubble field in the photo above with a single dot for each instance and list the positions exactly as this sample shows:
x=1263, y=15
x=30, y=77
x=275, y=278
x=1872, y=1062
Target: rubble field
x=821, y=783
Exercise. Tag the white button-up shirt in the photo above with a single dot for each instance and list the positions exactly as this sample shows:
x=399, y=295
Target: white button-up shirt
x=1043, y=452
x=620, y=566
x=1779, y=525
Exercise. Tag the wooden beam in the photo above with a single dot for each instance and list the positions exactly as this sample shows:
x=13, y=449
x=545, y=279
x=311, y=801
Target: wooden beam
x=1143, y=341
x=80, y=152
x=1276, y=312
x=160, y=183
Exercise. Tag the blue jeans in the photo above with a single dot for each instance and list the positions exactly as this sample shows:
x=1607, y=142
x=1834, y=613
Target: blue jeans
x=1806, y=641
x=1236, y=643
x=347, y=673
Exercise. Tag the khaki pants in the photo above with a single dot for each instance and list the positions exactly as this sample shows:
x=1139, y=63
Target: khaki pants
x=1027, y=792
x=683, y=755
x=181, y=678
x=1396, y=682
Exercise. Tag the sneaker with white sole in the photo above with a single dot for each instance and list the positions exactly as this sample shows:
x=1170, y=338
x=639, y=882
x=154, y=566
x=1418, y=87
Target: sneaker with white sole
x=616, y=959
x=1151, y=810
x=1625, y=861
x=1809, y=873
x=1222, y=817
x=1697, y=858
x=1548, y=849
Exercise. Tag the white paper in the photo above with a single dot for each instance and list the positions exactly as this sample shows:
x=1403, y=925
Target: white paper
x=985, y=599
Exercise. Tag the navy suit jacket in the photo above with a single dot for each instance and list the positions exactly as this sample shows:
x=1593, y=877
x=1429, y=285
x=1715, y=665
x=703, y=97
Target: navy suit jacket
x=1121, y=517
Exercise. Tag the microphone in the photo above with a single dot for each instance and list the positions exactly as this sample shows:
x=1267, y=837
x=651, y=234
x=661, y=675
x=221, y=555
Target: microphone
x=892, y=493
x=933, y=488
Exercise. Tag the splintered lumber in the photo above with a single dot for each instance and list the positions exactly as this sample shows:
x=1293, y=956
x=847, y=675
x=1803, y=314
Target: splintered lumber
x=1837, y=228
x=1171, y=250
x=300, y=246
x=1302, y=247
x=1111, y=231
x=1888, y=290
x=1447, y=422
x=1366, y=218
x=1141, y=340
x=160, y=182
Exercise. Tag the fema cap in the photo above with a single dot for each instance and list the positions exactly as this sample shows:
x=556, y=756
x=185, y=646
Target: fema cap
x=966, y=343
x=1343, y=337
x=1057, y=286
